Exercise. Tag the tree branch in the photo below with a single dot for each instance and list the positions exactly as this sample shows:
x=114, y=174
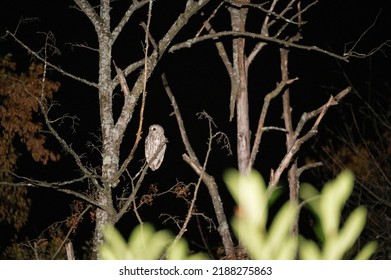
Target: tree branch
x=89, y=11
x=320, y=112
x=44, y=60
x=208, y=180
x=190, y=42
x=181, y=125
x=132, y=196
x=150, y=63
x=197, y=186
x=134, y=6
x=62, y=142
x=53, y=185
x=262, y=117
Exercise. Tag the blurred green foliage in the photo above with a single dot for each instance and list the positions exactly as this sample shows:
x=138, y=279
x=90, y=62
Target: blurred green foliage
x=250, y=225
x=250, y=221
x=336, y=238
x=277, y=242
x=145, y=243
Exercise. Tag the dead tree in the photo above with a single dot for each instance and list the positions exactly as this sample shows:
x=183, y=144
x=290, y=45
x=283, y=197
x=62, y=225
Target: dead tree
x=107, y=210
x=279, y=25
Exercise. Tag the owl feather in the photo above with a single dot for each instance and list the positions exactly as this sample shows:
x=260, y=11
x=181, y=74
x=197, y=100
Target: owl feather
x=153, y=142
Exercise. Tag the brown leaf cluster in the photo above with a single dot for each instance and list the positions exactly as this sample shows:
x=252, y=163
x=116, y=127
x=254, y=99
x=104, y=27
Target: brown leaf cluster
x=20, y=123
x=369, y=160
x=19, y=109
x=76, y=217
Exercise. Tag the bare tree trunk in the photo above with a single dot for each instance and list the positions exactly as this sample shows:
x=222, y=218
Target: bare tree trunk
x=293, y=180
x=293, y=177
x=110, y=156
x=104, y=216
x=239, y=94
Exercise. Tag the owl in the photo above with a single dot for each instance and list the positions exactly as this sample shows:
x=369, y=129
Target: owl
x=152, y=142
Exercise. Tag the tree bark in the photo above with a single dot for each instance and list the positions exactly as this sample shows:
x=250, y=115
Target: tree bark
x=239, y=94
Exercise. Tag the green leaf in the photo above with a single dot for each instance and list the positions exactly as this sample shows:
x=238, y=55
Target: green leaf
x=309, y=250
x=180, y=251
x=114, y=247
x=337, y=246
x=352, y=228
x=158, y=242
x=334, y=197
x=280, y=230
x=275, y=194
x=249, y=192
x=251, y=236
x=367, y=251
x=310, y=196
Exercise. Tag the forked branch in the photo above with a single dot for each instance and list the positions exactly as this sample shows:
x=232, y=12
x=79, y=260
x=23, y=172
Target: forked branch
x=208, y=180
x=319, y=113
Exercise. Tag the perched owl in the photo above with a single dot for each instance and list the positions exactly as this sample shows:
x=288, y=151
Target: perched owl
x=152, y=142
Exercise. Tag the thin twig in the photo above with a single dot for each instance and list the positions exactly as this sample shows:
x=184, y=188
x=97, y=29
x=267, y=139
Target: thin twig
x=262, y=117
x=44, y=60
x=192, y=204
x=352, y=53
x=181, y=125
x=125, y=207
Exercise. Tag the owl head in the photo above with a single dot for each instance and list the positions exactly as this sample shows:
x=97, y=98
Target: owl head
x=156, y=129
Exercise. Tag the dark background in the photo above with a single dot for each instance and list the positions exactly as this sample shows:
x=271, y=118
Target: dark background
x=199, y=82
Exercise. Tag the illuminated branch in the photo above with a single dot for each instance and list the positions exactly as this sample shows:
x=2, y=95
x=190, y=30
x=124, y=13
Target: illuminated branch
x=215, y=36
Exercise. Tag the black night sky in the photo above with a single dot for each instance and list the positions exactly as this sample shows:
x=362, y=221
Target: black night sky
x=200, y=83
